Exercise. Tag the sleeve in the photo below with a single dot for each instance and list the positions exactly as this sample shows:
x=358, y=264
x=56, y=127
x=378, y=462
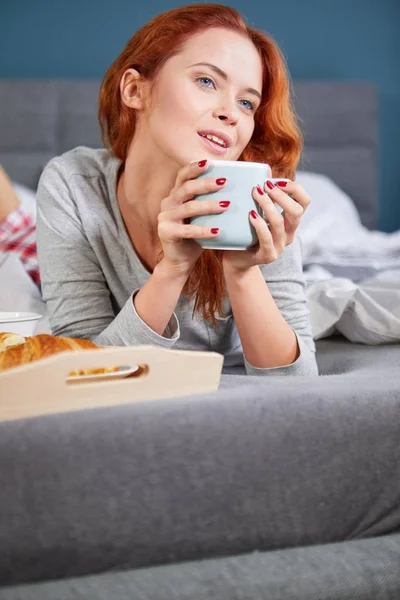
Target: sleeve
x=18, y=237
x=286, y=283
x=73, y=283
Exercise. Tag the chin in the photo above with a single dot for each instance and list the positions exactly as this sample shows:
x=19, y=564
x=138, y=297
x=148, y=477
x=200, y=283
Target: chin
x=185, y=156
x=197, y=155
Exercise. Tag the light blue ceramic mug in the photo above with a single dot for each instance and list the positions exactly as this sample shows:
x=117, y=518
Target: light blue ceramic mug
x=236, y=231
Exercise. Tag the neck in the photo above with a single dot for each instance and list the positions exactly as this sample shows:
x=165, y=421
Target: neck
x=146, y=180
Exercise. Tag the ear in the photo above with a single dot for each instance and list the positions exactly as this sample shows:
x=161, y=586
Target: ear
x=132, y=89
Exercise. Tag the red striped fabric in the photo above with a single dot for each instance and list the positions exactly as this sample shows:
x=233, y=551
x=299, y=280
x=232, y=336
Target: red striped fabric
x=18, y=236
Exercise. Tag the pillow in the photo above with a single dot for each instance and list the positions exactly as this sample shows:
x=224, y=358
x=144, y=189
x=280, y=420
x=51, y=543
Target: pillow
x=334, y=241
x=330, y=211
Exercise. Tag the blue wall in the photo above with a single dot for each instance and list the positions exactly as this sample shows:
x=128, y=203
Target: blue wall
x=321, y=39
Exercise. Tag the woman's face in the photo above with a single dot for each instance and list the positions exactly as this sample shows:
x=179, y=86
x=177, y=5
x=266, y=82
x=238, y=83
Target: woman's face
x=211, y=88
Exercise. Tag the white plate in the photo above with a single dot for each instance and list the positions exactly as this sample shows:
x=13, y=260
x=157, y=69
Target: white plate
x=120, y=374
x=23, y=323
x=14, y=317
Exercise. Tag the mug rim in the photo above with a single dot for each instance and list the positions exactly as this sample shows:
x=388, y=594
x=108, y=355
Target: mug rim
x=236, y=163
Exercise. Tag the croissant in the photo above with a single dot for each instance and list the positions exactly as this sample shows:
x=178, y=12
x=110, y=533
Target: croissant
x=10, y=339
x=16, y=350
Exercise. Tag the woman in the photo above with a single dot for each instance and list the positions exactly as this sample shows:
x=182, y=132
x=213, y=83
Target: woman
x=118, y=261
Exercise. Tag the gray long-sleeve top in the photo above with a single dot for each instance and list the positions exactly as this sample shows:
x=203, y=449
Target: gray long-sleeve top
x=90, y=272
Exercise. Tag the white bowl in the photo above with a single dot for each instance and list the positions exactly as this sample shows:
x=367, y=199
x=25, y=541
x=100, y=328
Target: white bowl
x=23, y=323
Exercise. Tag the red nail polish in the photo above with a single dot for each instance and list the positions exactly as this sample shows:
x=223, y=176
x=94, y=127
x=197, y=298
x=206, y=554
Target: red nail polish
x=253, y=214
x=260, y=191
x=224, y=203
x=202, y=163
x=215, y=230
x=281, y=183
x=270, y=185
x=220, y=181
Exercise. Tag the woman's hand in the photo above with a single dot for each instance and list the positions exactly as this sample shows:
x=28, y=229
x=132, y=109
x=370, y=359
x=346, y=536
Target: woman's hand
x=281, y=229
x=176, y=235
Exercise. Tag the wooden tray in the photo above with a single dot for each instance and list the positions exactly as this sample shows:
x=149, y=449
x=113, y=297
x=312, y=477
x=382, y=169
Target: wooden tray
x=43, y=387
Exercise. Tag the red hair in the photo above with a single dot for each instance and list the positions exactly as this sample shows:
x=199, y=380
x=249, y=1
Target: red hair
x=276, y=138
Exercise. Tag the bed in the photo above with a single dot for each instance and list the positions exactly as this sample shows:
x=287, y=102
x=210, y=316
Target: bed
x=50, y=531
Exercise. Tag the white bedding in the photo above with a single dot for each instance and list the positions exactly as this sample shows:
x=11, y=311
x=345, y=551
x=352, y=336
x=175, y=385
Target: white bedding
x=352, y=274
x=367, y=313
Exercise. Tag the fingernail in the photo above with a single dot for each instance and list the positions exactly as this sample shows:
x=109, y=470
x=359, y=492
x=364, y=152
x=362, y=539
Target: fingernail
x=215, y=230
x=202, y=163
x=259, y=190
x=220, y=180
x=253, y=214
x=270, y=185
x=281, y=183
x=224, y=203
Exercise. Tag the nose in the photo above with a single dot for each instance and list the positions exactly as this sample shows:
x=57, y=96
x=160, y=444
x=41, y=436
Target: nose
x=227, y=113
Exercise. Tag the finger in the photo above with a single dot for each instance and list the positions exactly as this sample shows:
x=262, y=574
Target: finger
x=191, y=188
x=194, y=208
x=170, y=231
x=297, y=192
x=266, y=242
x=293, y=210
x=272, y=217
x=190, y=171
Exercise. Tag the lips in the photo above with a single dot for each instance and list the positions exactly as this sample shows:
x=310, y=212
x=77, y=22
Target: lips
x=221, y=139
x=213, y=147
x=216, y=147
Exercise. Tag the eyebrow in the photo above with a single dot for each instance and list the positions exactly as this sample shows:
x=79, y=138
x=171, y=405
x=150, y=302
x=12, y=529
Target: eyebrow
x=224, y=76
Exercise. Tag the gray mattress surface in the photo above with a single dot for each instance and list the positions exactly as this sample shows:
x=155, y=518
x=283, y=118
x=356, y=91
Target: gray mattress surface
x=249, y=467
x=335, y=356
x=359, y=570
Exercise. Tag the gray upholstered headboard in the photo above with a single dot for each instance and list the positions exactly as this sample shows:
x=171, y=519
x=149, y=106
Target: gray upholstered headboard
x=40, y=119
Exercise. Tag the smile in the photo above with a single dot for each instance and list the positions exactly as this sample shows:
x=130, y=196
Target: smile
x=214, y=138
x=216, y=141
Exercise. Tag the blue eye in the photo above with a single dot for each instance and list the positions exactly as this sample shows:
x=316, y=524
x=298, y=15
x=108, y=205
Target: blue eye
x=208, y=81
x=250, y=105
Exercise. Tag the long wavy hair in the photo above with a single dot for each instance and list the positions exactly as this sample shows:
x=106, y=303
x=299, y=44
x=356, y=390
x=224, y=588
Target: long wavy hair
x=276, y=139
